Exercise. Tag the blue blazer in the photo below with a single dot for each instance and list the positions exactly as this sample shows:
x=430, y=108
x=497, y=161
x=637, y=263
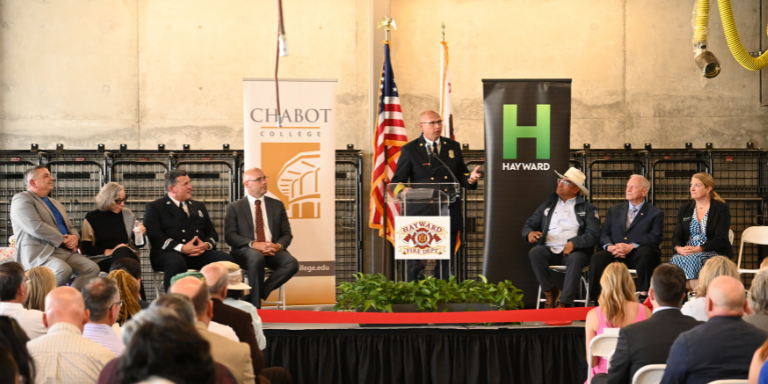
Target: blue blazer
x=719, y=349
x=646, y=229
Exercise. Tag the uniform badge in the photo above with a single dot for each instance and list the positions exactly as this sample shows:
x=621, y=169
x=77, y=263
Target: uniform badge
x=546, y=211
x=450, y=153
x=200, y=213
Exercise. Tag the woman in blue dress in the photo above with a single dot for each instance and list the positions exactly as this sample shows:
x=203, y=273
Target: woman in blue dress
x=702, y=228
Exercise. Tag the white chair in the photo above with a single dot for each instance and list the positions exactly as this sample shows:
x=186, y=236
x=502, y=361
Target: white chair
x=649, y=374
x=281, y=302
x=730, y=236
x=754, y=235
x=562, y=269
x=158, y=277
x=602, y=346
x=733, y=381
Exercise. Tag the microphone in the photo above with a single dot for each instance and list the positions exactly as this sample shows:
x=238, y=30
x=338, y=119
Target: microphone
x=433, y=154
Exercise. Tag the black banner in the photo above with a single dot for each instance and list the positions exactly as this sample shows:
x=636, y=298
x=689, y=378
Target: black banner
x=527, y=138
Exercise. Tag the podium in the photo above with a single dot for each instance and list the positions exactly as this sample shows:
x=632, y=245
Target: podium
x=422, y=226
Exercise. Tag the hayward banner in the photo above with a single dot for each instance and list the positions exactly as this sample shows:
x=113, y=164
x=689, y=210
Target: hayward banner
x=527, y=138
x=299, y=157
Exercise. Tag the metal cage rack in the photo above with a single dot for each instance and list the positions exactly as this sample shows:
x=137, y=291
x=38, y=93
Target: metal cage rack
x=80, y=174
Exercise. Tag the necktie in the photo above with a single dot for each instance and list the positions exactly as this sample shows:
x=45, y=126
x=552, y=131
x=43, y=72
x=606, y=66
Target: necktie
x=259, y=223
x=434, y=148
x=631, y=216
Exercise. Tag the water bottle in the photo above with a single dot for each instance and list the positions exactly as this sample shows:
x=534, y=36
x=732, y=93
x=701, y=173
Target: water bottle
x=137, y=233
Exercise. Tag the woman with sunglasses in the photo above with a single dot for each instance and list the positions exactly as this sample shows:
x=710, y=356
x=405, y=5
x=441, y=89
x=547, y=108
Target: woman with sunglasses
x=108, y=232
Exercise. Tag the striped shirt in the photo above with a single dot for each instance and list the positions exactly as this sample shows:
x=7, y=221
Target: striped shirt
x=104, y=334
x=64, y=356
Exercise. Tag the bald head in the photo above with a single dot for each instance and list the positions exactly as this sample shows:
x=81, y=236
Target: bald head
x=725, y=297
x=255, y=182
x=197, y=291
x=65, y=305
x=216, y=275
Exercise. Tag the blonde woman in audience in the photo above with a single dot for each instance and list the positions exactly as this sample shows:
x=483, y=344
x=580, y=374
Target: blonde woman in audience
x=618, y=308
x=758, y=301
x=764, y=263
x=758, y=370
x=714, y=267
x=129, y=293
x=40, y=280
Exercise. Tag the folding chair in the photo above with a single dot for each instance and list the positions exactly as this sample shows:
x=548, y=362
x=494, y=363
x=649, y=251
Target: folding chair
x=649, y=374
x=754, y=235
x=602, y=346
x=281, y=302
x=562, y=269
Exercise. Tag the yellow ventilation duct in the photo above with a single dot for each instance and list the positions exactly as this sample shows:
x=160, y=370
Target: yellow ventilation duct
x=734, y=43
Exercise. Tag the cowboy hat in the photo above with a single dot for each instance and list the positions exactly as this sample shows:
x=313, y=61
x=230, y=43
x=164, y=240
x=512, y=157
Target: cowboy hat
x=577, y=177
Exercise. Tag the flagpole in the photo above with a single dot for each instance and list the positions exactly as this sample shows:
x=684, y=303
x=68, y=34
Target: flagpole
x=388, y=265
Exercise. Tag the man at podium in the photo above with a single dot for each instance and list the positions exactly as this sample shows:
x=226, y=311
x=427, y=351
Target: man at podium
x=435, y=159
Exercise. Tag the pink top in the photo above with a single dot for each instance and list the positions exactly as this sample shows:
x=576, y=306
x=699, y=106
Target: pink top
x=602, y=323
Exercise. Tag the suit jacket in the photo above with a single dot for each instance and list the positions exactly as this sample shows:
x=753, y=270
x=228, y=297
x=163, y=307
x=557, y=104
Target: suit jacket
x=37, y=234
x=719, y=349
x=647, y=342
x=416, y=166
x=235, y=356
x=718, y=224
x=242, y=323
x=168, y=226
x=586, y=214
x=239, y=229
x=646, y=229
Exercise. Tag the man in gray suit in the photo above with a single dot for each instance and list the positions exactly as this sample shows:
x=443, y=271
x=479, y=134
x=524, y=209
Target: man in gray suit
x=44, y=234
x=257, y=229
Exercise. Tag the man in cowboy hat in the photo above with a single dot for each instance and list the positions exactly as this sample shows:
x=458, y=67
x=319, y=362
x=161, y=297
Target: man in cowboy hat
x=565, y=230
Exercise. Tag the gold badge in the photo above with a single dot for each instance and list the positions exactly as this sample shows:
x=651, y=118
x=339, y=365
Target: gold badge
x=450, y=153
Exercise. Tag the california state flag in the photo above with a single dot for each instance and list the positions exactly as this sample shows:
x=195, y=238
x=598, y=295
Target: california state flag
x=446, y=109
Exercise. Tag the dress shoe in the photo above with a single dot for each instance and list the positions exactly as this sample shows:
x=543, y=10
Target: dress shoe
x=552, y=296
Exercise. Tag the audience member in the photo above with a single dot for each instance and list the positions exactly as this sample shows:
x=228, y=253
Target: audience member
x=64, y=355
x=635, y=349
x=758, y=369
x=160, y=345
x=702, y=228
x=217, y=328
x=13, y=292
x=13, y=338
x=618, y=308
x=764, y=263
x=234, y=298
x=107, y=234
x=180, y=231
x=722, y=347
x=40, y=281
x=129, y=293
x=9, y=372
x=102, y=300
x=133, y=268
x=258, y=230
x=236, y=356
x=631, y=234
x=714, y=267
x=758, y=301
x=44, y=235
x=565, y=229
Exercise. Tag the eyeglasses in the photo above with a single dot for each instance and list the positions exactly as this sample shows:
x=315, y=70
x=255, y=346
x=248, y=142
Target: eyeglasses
x=258, y=179
x=564, y=181
x=436, y=122
x=119, y=304
x=120, y=201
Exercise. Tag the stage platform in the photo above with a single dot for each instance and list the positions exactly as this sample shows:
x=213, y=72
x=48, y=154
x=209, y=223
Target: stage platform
x=349, y=353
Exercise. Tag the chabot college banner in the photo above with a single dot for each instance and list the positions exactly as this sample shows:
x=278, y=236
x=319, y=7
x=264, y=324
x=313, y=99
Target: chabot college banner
x=299, y=158
x=527, y=138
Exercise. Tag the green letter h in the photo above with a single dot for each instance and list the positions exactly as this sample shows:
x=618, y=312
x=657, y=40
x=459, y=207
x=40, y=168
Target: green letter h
x=540, y=131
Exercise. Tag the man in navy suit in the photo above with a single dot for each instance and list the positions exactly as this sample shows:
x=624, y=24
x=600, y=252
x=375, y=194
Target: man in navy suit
x=418, y=165
x=631, y=234
x=180, y=230
x=721, y=348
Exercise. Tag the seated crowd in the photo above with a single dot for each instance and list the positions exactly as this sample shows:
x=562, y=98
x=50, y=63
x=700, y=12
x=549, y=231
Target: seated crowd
x=61, y=322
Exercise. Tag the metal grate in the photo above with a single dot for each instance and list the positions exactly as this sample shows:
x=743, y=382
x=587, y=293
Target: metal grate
x=143, y=182
x=607, y=180
x=212, y=183
x=348, y=214
x=11, y=183
x=76, y=186
x=470, y=256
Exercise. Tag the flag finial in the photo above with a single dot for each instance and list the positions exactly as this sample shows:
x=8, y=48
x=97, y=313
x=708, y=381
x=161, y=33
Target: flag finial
x=386, y=22
x=442, y=29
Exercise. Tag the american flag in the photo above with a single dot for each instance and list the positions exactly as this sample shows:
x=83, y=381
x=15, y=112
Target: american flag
x=389, y=138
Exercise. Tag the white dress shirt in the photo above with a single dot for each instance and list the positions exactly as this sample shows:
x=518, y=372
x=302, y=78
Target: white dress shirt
x=104, y=335
x=695, y=308
x=252, y=203
x=257, y=325
x=563, y=225
x=64, y=356
x=30, y=320
x=223, y=330
x=429, y=145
